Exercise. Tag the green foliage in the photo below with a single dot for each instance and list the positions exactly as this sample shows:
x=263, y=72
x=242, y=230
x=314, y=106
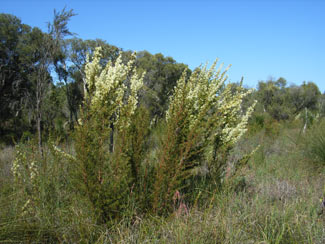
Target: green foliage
x=112, y=179
x=315, y=143
x=151, y=139
x=305, y=96
x=285, y=103
x=54, y=111
x=15, y=68
x=269, y=201
x=110, y=138
x=162, y=74
x=99, y=177
x=40, y=202
x=272, y=96
x=203, y=121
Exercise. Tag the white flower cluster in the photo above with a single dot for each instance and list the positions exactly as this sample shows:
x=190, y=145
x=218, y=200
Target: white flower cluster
x=107, y=87
x=199, y=92
x=17, y=163
x=63, y=153
x=26, y=207
x=234, y=122
x=25, y=173
x=91, y=70
x=204, y=94
x=22, y=169
x=33, y=169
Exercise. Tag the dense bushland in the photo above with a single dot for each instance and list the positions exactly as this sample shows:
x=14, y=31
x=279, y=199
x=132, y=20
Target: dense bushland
x=274, y=197
x=134, y=147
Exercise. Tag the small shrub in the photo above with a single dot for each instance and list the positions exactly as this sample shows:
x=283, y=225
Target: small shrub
x=314, y=145
x=110, y=138
x=6, y=158
x=203, y=121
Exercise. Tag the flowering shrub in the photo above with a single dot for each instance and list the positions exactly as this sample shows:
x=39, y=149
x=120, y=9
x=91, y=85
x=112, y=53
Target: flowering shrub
x=107, y=167
x=113, y=169
x=106, y=88
x=42, y=184
x=204, y=120
x=26, y=169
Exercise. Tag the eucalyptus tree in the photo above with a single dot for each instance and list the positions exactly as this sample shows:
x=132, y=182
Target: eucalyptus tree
x=58, y=30
x=50, y=52
x=273, y=97
x=161, y=77
x=14, y=82
x=304, y=96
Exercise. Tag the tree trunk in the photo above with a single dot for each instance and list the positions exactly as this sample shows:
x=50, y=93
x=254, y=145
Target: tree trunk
x=39, y=132
x=111, y=139
x=39, y=117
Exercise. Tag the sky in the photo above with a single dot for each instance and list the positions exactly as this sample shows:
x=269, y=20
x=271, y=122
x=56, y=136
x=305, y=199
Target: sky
x=261, y=39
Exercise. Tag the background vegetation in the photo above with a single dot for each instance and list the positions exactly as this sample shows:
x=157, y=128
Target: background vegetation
x=167, y=161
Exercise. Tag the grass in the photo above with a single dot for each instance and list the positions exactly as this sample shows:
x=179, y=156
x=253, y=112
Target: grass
x=279, y=203
x=315, y=143
x=6, y=158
